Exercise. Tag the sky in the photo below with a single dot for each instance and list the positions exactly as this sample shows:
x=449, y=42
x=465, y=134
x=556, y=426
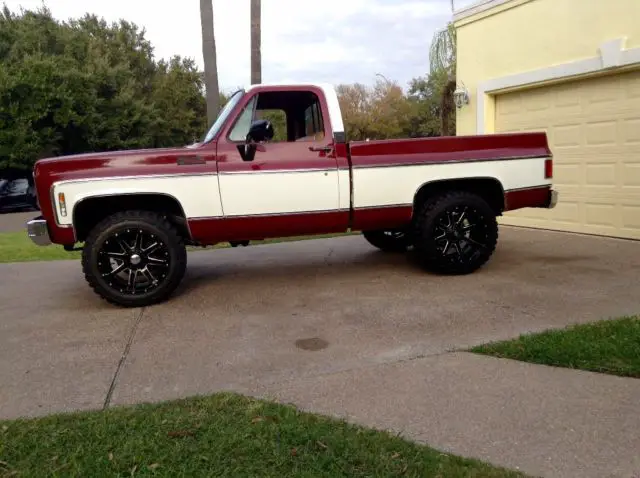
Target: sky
x=335, y=41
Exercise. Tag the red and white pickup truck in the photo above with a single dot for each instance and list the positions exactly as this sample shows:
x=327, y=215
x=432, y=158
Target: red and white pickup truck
x=135, y=211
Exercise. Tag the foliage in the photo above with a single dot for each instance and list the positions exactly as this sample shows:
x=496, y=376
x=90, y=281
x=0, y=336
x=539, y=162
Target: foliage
x=85, y=85
x=221, y=435
x=385, y=111
x=607, y=346
x=443, y=61
x=442, y=53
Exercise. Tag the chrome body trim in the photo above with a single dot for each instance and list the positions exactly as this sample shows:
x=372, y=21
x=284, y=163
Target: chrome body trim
x=38, y=231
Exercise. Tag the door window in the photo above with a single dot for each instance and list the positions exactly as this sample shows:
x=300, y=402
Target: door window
x=241, y=128
x=294, y=115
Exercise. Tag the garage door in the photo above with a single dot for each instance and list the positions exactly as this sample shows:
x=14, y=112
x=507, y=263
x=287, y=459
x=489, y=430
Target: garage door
x=593, y=127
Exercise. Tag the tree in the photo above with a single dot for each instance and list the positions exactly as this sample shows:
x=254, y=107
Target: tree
x=379, y=112
x=210, y=60
x=425, y=96
x=442, y=58
x=85, y=85
x=256, y=42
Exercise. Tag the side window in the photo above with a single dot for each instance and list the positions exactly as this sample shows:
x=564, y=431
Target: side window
x=241, y=128
x=18, y=186
x=278, y=118
x=313, y=126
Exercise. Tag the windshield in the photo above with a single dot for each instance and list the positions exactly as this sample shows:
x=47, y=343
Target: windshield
x=222, y=117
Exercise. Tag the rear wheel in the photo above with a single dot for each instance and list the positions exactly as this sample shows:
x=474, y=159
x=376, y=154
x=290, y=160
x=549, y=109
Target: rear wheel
x=455, y=233
x=134, y=258
x=389, y=241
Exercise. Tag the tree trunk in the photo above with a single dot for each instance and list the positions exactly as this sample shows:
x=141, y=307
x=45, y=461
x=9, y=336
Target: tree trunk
x=210, y=60
x=256, y=40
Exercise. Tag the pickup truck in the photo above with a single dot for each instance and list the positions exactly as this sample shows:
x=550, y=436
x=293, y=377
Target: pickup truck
x=135, y=211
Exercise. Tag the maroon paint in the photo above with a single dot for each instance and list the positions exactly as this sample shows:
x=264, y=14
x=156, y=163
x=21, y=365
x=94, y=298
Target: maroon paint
x=280, y=156
x=112, y=164
x=365, y=219
x=442, y=150
x=223, y=155
x=530, y=197
x=214, y=230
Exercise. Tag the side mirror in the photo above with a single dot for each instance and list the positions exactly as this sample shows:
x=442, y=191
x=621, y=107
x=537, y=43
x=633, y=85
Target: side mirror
x=260, y=130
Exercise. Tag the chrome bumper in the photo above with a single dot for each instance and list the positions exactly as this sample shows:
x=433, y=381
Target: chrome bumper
x=38, y=232
x=553, y=199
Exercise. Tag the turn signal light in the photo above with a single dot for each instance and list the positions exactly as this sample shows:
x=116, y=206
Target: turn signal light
x=548, y=168
x=63, y=204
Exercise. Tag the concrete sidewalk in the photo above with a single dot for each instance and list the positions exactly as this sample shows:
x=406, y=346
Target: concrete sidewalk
x=543, y=421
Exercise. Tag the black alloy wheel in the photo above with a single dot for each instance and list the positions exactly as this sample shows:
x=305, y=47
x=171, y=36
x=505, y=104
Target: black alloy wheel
x=134, y=258
x=134, y=261
x=456, y=233
x=459, y=235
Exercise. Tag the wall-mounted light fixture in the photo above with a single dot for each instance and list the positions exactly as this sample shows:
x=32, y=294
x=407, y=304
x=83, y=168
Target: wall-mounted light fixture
x=461, y=96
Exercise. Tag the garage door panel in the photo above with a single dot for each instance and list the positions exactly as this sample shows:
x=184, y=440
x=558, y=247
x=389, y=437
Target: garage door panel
x=601, y=133
x=631, y=175
x=593, y=127
x=567, y=135
x=630, y=131
x=602, y=214
x=601, y=174
x=631, y=217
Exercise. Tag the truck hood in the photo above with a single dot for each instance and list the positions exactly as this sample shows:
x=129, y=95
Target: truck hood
x=127, y=153
x=116, y=163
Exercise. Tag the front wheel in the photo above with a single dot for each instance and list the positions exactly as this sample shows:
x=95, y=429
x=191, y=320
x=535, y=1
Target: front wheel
x=134, y=258
x=455, y=233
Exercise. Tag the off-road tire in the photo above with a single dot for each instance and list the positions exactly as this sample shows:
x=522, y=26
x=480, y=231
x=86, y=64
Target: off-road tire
x=431, y=249
x=388, y=241
x=155, y=226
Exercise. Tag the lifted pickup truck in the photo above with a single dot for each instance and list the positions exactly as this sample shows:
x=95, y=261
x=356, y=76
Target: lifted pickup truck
x=135, y=211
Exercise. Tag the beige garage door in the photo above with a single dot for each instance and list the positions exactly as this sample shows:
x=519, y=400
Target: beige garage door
x=593, y=127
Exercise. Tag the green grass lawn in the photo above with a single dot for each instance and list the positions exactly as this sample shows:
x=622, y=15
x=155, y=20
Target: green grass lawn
x=222, y=435
x=608, y=346
x=17, y=247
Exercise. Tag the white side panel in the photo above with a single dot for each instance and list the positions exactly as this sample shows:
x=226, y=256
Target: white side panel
x=254, y=193
x=198, y=195
x=396, y=185
x=345, y=189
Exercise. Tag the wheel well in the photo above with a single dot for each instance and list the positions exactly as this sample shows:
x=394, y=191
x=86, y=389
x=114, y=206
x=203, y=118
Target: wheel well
x=490, y=189
x=89, y=212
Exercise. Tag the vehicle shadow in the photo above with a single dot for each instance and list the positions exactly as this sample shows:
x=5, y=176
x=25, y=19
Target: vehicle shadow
x=251, y=270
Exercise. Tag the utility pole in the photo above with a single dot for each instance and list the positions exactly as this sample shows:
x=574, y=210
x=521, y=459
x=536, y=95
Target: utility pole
x=256, y=42
x=210, y=60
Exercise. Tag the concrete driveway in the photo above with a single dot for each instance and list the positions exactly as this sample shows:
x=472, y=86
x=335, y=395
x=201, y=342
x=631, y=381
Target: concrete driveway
x=252, y=319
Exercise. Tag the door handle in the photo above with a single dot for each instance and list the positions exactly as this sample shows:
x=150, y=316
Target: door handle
x=322, y=149
x=187, y=160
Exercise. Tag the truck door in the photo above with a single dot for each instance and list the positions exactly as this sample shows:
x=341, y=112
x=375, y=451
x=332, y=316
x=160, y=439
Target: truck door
x=290, y=186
